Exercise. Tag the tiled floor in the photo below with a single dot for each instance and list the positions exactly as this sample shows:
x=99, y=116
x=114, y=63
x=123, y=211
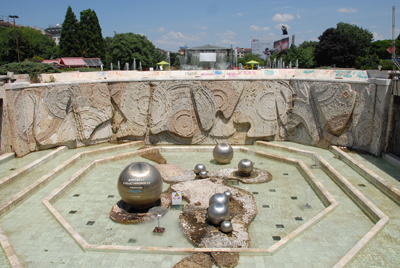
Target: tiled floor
x=40, y=241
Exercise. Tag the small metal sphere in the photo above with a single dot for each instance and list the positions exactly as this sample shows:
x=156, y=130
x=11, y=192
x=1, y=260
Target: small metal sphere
x=140, y=185
x=218, y=213
x=228, y=194
x=203, y=174
x=223, y=153
x=198, y=168
x=219, y=198
x=245, y=167
x=226, y=226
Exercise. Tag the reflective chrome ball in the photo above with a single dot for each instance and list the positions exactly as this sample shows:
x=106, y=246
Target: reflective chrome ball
x=228, y=194
x=219, y=198
x=198, y=168
x=226, y=226
x=217, y=213
x=245, y=167
x=140, y=185
x=223, y=153
x=203, y=174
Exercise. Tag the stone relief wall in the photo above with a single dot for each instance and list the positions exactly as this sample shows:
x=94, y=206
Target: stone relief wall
x=198, y=112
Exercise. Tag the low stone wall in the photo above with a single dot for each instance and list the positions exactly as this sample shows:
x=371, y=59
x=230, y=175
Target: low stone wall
x=313, y=107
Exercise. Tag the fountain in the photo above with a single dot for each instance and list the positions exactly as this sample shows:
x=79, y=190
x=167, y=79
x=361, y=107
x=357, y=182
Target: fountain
x=119, y=67
x=191, y=61
x=157, y=213
x=134, y=64
x=193, y=127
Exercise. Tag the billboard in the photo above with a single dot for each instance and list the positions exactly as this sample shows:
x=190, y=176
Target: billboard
x=265, y=46
x=208, y=57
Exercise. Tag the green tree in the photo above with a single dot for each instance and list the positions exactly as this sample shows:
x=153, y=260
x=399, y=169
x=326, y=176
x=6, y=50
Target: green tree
x=359, y=35
x=337, y=49
x=8, y=45
x=380, y=47
x=90, y=37
x=43, y=45
x=250, y=56
x=307, y=44
x=69, y=39
x=128, y=46
x=175, y=59
x=303, y=54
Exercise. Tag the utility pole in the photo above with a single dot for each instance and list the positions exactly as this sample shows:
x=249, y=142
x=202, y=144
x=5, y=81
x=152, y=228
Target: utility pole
x=393, y=39
x=15, y=31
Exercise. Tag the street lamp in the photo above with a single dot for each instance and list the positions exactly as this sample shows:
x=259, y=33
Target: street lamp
x=15, y=31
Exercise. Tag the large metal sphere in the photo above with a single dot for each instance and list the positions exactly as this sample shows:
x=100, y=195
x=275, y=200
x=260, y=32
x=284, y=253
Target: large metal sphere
x=203, y=174
x=198, y=168
x=140, y=185
x=228, y=194
x=245, y=167
x=219, y=198
x=218, y=213
x=226, y=226
x=223, y=153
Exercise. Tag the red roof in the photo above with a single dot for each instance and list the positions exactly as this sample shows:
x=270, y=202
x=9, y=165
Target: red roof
x=73, y=62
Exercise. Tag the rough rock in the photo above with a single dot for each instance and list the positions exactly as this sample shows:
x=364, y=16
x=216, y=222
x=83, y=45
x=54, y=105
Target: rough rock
x=256, y=176
x=173, y=173
x=194, y=221
x=196, y=260
x=224, y=259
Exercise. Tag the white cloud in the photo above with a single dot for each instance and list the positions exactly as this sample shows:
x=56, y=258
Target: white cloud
x=373, y=27
x=239, y=14
x=347, y=10
x=258, y=28
x=177, y=38
x=314, y=39
x=298, y=16
x=227, y=35
x=203, y=27
x=159, y=30
x=282, y=17
x=279, y=26
x=175, y=35
x=227, y=41
x=377, y=36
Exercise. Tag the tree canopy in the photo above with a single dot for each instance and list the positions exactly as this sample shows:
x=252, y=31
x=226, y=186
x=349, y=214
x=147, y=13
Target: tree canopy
x=69, y=39
x=250, y=56
x=90, y=37
x=125, y=47
x=8, y=45
x=337, y=49
x=304, y=54
x=359, y=35
x=43, y=46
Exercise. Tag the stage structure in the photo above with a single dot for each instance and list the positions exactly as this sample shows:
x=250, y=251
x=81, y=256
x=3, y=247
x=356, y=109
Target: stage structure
x=206, y=57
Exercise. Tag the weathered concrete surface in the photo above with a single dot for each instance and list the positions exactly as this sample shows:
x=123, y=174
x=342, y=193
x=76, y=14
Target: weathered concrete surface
x=319, y=108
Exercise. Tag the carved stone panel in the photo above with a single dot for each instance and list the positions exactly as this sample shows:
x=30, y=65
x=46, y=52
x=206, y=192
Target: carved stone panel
x=335, y=103
x=133, y=100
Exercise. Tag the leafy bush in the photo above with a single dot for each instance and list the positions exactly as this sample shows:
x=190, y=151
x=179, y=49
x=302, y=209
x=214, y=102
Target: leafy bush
x=68, y=70
x=31, y=68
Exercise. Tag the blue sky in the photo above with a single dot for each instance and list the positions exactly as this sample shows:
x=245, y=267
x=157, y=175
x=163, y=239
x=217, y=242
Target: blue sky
x=170, y=24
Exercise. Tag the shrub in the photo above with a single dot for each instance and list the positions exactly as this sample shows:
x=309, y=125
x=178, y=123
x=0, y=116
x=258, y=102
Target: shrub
x=27, y=67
